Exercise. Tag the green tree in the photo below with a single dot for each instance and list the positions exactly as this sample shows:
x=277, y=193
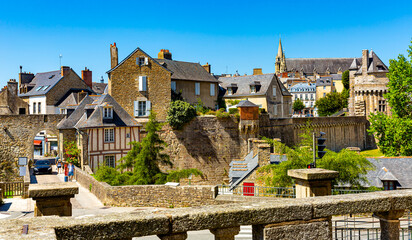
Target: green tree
x=72, y=152
x=331, y=103
x=394, y=133
x=298, y=105
x=352, y=167
x=345, y=79
x=180, y=113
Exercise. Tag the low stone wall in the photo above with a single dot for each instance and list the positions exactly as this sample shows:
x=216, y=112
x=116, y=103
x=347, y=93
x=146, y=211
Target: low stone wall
x=148, y=195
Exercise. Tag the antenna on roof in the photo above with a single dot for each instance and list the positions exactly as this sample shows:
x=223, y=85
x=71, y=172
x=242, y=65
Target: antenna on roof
x=60, y=56
x=102, y=80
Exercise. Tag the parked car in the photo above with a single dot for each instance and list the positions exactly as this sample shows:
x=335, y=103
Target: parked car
x=42, y=166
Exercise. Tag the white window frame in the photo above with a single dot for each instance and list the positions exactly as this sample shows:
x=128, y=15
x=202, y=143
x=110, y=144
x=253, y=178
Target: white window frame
x=252, y=88
x=107, y=113
x=142, y=61
x=110, y=161
x=142, y=83
x=39, y=107
x=229, y=91
x=63, y=111
x=173, y=85
x=34, y=108
x=109, y=135
x=197, y=88
x=212, y=89
x=274, y=91
x=142, y=108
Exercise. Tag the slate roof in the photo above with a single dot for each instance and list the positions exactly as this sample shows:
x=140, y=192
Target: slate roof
x=42, y=83
x=322, y=65
x=246, y=103
x=336, y=76
x=80, y=119
x=303, y=87
x=186, y=71
x=324, y=81
x=240, y=170
x=99, y=88
x=375, y=65
x=399, y=169
x=243, y=84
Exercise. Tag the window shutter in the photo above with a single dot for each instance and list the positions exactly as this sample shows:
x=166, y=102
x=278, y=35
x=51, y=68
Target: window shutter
x=148, y=107
x=136, y=108
x=142, y=83
x=212, y=89
x=146, y=61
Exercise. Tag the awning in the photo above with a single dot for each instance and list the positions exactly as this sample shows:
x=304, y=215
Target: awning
x=37, y=142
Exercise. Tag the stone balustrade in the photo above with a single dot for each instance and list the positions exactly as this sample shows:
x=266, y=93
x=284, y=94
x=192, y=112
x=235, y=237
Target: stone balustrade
x=305, y=218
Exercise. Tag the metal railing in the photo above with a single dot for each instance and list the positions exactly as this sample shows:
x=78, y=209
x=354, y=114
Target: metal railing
x=11, y=189
x=337, y=191
x=258, y=191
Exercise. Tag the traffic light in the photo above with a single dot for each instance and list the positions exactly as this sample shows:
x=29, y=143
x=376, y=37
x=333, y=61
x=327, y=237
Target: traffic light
x=321, y=147
x=312, y=165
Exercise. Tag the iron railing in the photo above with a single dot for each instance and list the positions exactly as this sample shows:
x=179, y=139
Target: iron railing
x=257, y=191
x=337, y=191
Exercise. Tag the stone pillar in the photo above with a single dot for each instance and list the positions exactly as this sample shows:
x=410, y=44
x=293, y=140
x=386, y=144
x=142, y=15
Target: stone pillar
x=173, y=236
x=225, y=233
x=313, y=182
x=53, y=199
x=390, y=224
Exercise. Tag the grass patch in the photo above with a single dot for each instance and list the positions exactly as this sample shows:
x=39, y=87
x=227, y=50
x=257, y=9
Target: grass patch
x=372, y=153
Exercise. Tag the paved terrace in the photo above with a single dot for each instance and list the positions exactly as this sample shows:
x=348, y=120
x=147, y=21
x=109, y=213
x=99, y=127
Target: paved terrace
x=305, y=218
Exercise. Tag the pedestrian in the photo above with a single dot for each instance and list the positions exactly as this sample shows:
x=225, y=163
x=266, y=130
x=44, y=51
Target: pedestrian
x=59, y=166
x=71, y=171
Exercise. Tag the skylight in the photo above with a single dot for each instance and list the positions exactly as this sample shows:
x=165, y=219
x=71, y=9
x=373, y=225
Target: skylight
x=46, y=87
x=38, y=89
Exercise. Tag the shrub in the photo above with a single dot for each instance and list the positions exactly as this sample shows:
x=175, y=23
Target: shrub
x=180, y=113
x=222, y=114
x=200, y=107
x=233, y=110
x=211, y=112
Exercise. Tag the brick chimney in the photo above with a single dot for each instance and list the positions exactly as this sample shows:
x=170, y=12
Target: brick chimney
x=207, y=67
x=87, y=77
x=12, y=86
x=164, y=54
x=257, y=71
x=114, y=58
x=64, y=70
x=365, y=61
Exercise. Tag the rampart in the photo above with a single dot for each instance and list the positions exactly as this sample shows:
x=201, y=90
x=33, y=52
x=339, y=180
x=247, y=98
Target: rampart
x=148, y=195
x=305, y=218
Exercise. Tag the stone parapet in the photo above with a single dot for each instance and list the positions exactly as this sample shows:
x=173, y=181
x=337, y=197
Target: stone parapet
x=286, y=213
x=313, y=174
x=53, y=190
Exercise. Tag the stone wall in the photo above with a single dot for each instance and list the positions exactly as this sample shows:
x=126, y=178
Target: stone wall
x=148, y=195
x=17, y=133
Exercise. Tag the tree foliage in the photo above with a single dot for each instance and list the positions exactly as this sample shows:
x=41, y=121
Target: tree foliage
x=72, y=152
x=298, y=105
x=331, y=103
x=180, y=113
x=352, y=167
x=394, y=133
x=345, y=79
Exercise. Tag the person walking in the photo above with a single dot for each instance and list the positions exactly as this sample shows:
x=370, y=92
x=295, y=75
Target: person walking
x=71, y=171
x=59, y=166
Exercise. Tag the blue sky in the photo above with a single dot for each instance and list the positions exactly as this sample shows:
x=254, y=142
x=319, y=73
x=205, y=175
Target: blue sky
x=230, y=35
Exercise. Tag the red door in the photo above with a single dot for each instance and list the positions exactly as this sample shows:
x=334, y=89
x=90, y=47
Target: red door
x=248, y=189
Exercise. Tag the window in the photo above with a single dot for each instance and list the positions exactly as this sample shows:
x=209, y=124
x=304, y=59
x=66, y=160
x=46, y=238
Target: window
x=46, y=87
x=382, y=106
x=324, y=94
x=142, y=108
x=108, y=135
x=141, y=61
x=39, y=107
x=274, y=91
x=212, y=89
x=252, y=89
x=197, y=88
x=34, y=108
x=142, y=83
x=62, y=111
x=324, y=87
x=38, y=89
x=229, y=91
x=109, y=161
x=173, y=85
x=107, y=113
x=275, y=109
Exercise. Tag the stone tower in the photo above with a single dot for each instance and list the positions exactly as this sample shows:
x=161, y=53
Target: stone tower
x=280, y=64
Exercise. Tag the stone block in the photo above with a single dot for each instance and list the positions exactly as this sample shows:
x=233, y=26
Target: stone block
x=53, y=190
x=316, y=229
x=313, y=174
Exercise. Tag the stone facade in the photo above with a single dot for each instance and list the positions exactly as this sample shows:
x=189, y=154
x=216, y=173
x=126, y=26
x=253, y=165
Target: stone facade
x=124, y=84
x=148, y=195
x=10, y=103
x=17, y=133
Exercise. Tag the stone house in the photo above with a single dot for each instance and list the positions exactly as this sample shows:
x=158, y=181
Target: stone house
x=367, y=85
x=264, y=90
x=103, y=130
x=45, y=91
x=324, y=85
x=10, y=103
x=141, y=83
x=306, y=92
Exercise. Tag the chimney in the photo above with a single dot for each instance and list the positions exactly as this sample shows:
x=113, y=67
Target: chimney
x=164, y=54
x=64, y=70
x=257, y=71
x=114, y=59
x=365, y=61
x=87, y=77
x=81, y=95
x=12, y=86
x=25, y=78
x=207, y=67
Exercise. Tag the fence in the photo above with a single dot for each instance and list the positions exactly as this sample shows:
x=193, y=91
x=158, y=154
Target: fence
x=11, y=189
x=257, y=191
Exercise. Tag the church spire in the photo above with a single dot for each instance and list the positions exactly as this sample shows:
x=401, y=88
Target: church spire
x=280, y=49
x=280, y=63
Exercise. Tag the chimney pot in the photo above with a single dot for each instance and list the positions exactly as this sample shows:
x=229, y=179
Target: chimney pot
x=114, y=58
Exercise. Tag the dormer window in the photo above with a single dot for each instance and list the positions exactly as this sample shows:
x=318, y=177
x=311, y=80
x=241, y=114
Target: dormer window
x=107, y=113
x=229, y=91
x=252, y=89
